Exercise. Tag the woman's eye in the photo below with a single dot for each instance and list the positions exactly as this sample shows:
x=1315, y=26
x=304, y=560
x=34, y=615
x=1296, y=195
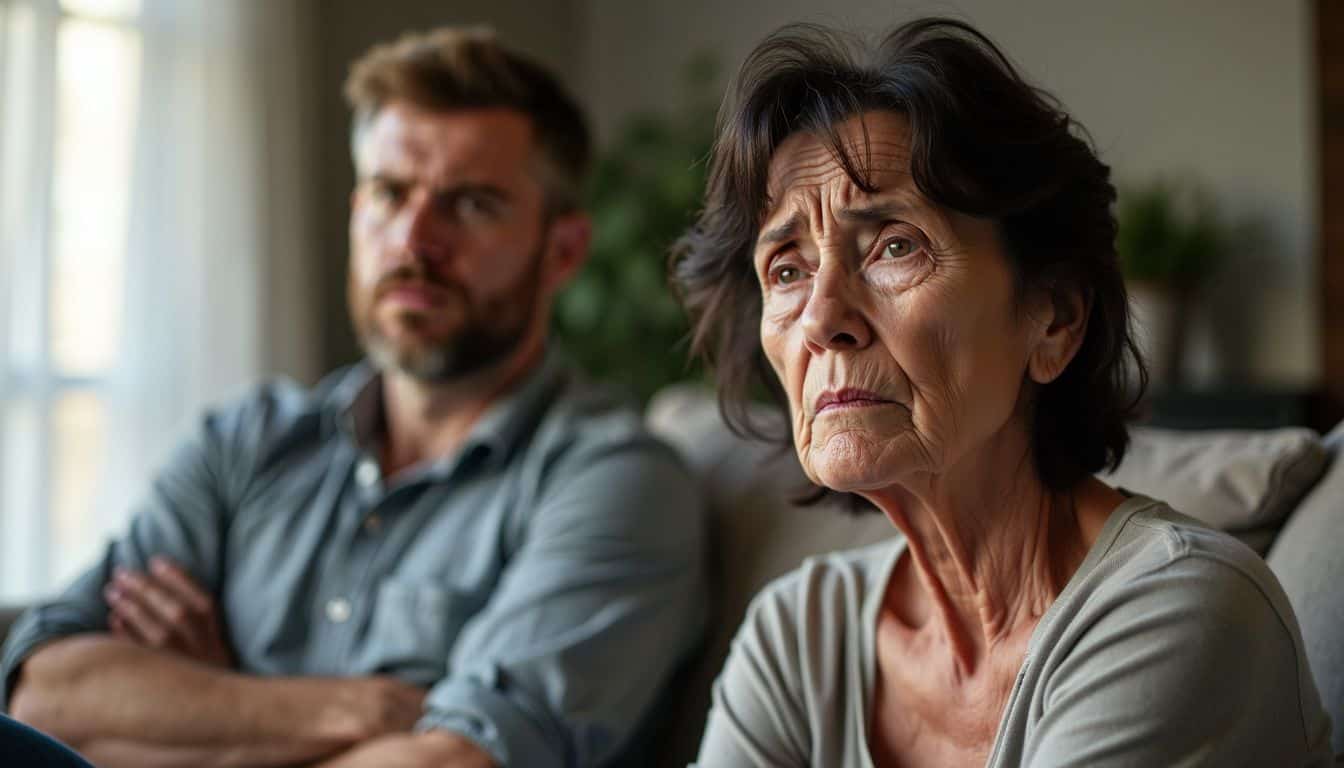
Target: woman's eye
x=898, y=247
x=785, y=275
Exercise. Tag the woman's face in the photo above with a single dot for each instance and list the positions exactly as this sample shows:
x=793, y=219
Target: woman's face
x=891, y=322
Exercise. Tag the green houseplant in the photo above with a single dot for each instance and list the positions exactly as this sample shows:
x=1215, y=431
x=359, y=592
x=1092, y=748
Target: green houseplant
x=619, y=317
x=1169, y=238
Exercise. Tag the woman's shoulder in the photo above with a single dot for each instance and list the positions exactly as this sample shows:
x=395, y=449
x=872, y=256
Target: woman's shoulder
x=1175, y=582
x=794, y=677
x=1165, y=603
x=1165, y=577
x=1149, y=549
x=812, y=623
x=837, y=583
x=1148, y=537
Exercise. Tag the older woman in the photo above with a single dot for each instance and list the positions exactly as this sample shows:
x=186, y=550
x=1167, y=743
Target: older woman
x=912, y=248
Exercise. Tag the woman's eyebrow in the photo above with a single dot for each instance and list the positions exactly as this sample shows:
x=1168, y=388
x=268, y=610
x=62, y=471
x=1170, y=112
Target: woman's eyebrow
x=782, y=232
x=872, y=214
x=876, y=213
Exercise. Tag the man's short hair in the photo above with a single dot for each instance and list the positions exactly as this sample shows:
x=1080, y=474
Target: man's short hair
x=455, y=68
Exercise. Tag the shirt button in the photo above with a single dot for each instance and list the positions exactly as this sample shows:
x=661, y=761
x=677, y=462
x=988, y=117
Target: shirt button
x=338, y=610
x=367, y=473
x=372, y=524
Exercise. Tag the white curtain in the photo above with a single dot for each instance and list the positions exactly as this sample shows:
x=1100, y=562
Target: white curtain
x=220, y=286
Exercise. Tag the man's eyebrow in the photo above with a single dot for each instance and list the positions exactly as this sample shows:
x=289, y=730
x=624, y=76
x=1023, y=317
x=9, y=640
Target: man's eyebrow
x=483, y=189
x=781, y=233
x=472, y=188
x=382, y=177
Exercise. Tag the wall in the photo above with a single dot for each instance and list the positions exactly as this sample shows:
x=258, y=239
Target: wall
x=1222, y=91
x=344, y=29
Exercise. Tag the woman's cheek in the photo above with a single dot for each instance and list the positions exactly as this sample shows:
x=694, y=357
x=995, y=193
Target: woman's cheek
x=779, y=318
x=773, y=335
x=781, y=306
x=898, y=277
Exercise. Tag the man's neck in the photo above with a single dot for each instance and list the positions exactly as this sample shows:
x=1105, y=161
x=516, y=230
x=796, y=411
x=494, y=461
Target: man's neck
x=425, y=421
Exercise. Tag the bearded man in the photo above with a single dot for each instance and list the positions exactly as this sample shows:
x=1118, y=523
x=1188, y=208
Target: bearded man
x=455, y=553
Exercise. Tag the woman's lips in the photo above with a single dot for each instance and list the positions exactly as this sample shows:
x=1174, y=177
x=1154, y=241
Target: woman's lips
x=847, y=398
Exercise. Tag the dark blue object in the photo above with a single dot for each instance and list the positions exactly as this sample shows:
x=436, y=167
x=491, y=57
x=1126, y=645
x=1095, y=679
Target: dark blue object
x=23, y=747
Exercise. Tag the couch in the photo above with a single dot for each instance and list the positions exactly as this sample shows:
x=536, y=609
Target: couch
x=1280, y=491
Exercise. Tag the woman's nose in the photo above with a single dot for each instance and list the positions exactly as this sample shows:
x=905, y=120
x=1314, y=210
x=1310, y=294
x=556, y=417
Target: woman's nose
x=831, y=320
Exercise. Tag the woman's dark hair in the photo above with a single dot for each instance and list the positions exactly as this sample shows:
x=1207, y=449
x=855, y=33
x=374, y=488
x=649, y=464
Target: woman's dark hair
x=983, y=142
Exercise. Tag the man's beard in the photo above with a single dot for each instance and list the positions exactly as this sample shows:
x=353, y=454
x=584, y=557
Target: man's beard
x=490, y=332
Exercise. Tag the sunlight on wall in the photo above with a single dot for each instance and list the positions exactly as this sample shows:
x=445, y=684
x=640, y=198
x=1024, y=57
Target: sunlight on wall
x=97, y=67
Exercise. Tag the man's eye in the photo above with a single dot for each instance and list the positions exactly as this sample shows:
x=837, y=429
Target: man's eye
x=897, y=248
x=387, y=194
x=475, y=206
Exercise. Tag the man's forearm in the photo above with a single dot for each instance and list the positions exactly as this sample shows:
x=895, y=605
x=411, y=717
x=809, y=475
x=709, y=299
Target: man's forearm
x=432, y=749
x=91, y=688
x=110, y=753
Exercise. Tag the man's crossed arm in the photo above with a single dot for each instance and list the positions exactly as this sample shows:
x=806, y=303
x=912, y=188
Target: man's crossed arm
x=161, y=691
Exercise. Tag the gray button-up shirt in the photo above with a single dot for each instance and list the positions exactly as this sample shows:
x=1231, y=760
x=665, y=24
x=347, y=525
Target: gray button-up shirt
x=542, y=582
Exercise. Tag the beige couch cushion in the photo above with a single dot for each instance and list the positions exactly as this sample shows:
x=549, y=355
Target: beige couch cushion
x=1241, y=482
x=750, y=487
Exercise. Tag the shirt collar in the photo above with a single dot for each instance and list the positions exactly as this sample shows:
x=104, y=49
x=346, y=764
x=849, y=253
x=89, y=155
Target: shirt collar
x=355, y=407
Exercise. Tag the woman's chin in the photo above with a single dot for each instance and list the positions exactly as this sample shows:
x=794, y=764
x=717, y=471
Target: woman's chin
x=846, y=476
x=851, y=461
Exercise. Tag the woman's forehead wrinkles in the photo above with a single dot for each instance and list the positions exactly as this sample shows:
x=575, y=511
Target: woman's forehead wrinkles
x=799, y=188
x=806, y=161
x=802, y=166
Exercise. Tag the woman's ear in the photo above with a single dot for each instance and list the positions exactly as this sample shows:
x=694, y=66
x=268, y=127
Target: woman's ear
x=1063, y=322
x=569, y=236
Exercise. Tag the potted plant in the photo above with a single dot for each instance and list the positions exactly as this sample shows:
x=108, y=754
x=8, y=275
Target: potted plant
x=1169, y=238
x=619, y=318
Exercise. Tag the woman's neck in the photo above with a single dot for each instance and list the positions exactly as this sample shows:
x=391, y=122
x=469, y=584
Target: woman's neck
x=990, y=548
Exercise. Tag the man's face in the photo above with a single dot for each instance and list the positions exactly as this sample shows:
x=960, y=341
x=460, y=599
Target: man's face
x=449, y=240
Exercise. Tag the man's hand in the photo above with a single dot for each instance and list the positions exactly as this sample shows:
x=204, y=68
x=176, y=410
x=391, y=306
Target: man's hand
x=163, y=608
x=369, y=707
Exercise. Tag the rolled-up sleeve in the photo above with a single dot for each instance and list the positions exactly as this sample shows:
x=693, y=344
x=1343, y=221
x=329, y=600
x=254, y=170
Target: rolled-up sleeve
x=181, y=518
x=591, y=615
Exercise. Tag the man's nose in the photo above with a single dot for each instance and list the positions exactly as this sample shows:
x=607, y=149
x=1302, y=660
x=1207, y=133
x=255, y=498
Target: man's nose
x=831, y=319
x=419, y=232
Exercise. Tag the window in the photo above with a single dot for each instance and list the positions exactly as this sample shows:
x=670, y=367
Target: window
x=69, y=81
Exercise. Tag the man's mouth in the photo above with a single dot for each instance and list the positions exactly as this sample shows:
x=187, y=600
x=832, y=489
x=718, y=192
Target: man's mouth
x=420, y=296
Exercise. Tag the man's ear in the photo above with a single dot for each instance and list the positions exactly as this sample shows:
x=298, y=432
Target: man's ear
x=1062, y=315
x=569, y=236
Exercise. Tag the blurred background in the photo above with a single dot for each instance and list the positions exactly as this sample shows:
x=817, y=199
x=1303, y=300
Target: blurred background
x=175, y=178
